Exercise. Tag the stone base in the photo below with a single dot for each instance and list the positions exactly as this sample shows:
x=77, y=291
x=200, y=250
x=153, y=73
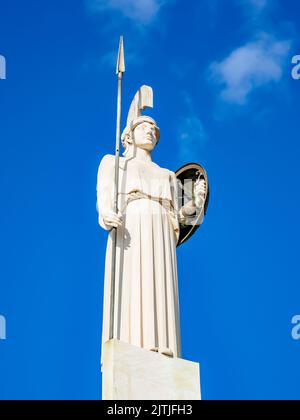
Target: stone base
x=132, y=373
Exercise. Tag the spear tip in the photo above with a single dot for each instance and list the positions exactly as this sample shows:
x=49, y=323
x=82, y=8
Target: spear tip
x=121, y=57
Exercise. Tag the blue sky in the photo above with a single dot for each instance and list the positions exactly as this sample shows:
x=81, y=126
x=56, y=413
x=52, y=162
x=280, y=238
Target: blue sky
x=224, y=97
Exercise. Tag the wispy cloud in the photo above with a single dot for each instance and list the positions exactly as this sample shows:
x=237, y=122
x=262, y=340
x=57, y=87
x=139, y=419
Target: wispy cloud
x=134, y=17
x=249, y=67
x=255, y=5
x=140, y=11
x=192, y=135
x=259, y=62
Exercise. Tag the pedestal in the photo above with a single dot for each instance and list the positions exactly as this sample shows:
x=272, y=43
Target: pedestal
x=132, y=373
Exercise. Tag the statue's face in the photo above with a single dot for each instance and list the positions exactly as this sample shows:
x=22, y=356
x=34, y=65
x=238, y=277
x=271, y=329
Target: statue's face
x=144, y=136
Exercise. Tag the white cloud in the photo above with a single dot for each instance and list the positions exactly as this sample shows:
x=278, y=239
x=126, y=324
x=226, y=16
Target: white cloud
x=250, y=67
x=141, y=11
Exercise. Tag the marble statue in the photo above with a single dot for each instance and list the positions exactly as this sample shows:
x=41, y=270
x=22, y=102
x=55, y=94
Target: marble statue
x=146, y=311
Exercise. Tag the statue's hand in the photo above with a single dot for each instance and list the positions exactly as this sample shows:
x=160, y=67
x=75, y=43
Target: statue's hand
x=112, y=219
x=200, y=193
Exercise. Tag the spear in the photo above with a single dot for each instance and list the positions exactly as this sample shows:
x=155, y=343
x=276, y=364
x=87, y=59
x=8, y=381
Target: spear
x=119, y=71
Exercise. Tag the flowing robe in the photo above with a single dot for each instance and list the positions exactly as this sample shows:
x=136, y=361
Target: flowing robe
x=146, y=290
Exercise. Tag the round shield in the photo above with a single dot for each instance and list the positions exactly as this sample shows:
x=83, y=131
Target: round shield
x=187, y=176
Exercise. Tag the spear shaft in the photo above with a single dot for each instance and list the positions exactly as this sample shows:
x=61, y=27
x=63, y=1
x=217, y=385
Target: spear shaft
x=120, y=70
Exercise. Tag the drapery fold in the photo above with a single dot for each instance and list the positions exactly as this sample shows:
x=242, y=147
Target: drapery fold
x=147, y=300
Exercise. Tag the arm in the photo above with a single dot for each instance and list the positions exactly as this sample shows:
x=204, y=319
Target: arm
x=105, y=185
x=195, y=207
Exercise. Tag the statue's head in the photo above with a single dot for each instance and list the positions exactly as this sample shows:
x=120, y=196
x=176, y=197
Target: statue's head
x=143, y=133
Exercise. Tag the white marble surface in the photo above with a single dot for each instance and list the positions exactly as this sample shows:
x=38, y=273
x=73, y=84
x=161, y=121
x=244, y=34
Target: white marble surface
x=132, y=373
x=146, y=298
